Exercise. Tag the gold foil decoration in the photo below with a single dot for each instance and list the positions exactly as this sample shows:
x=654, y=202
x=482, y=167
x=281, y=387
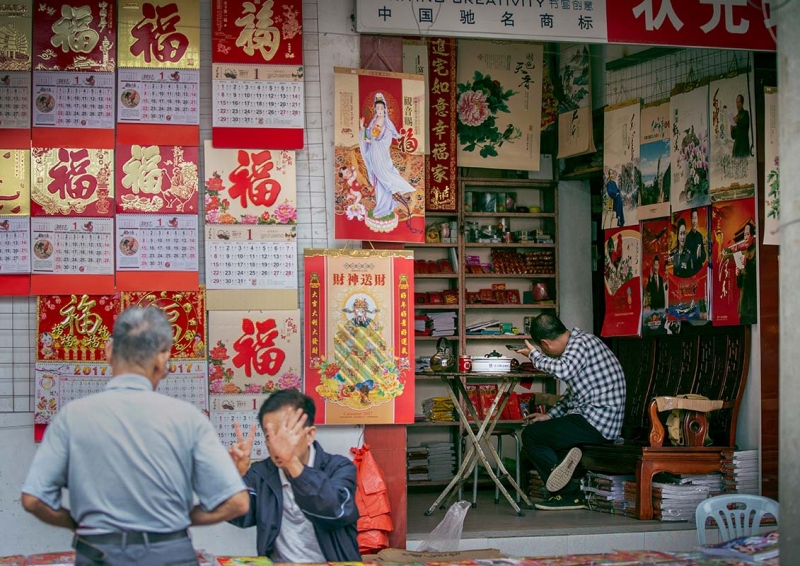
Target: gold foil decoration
x=163, y=35
x=15, y=188
x=16, y=34
x=72, y=181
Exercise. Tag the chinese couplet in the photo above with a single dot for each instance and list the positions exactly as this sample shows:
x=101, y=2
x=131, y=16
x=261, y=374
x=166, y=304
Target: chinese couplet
x=621, y=275
x=499, y=104
x=258, y=74
x=359, y=338
x=622, y=176
x=379, y=133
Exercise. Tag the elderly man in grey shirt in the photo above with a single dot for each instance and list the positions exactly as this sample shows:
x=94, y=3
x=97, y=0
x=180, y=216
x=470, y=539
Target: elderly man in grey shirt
x=134, y=460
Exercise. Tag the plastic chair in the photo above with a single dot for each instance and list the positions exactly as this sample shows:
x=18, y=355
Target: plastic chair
x=740, y=521
x=497, y=433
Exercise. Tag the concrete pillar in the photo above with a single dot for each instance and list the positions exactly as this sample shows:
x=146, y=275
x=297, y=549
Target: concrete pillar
x=789, y=112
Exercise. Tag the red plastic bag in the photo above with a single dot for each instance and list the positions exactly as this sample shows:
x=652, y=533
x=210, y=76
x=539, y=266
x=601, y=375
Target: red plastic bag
x=370, y=476
x=372, y=501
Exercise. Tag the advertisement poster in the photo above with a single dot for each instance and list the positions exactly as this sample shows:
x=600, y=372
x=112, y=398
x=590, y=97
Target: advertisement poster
x=499, y=104
x=253, y=354
x=655, y=257
x=575, y=132
x=734, y=287
x=72, y=182
x=359, y=337
x=772, y=195
x=257, y=70
x=622, y=288
x=689, y=149
x=15, y=66
x=688, y=265
x=732, y=166
x=379, y=161
x=622, y=176
x=655, y=161
x=154, y=179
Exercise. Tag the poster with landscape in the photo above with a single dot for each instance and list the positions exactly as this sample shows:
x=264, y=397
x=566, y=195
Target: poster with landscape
x=654, y=162
x=621, y=165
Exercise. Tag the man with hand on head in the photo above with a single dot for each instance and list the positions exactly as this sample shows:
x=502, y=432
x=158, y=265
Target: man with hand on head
x=302, y=499
x=133, y=460
x=590, y=412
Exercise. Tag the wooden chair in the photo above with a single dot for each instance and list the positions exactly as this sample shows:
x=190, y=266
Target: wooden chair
x=710, y=361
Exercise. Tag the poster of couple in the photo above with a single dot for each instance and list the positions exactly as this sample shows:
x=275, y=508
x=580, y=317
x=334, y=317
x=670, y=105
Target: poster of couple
x=379, y=159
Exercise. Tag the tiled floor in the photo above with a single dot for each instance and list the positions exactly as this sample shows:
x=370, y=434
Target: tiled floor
x=541, y=533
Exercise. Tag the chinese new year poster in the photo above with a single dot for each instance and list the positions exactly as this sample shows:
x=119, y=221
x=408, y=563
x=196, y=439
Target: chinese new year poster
x=156, y=179
x=734, y=246
x=732, y=166
x=655, y=257
x=359, y=337
x=622, y=289
x=379, y=163
x=688, y=265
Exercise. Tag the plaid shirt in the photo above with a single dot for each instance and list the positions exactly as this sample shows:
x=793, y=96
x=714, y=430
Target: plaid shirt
x=595, y=382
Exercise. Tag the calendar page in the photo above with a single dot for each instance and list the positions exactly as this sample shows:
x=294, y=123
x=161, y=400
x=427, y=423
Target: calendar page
x=150, y=242
x=258, y=96
x=187, y=381
x=73, y=100
x=242, y=257
x=15, y=244
x=78, y=246
x=150, y=96
x=15, y=100
x=223, y=424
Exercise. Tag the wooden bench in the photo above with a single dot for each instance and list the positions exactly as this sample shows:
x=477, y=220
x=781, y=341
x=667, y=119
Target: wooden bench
x=705, y=360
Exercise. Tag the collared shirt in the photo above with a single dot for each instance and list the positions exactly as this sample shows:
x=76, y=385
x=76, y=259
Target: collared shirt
x=595, y=380
x=297, y=542
x=132, y=460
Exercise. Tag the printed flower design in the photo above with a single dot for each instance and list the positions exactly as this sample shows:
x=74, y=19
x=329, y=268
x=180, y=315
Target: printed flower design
x=694, y=152
x=250, y=219
x=473, y=108
x=253, y=388
x=285, y=213
x=356, y=212
x=289, y=380
x=216, y=386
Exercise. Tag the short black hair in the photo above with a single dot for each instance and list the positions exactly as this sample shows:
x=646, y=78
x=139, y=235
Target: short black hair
x=546, y=327
x=656, y=258
x=288, y=398
x=752, y=228
x=681, y=222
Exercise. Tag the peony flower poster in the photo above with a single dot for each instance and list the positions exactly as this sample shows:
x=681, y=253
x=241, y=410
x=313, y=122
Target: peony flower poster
x=622, y=176
x=772, y=196
x=251, y=228
x=252, y=354
x=499, y=104
x=379, y=160
x=732, y=165
x=689, y=149
x=359, y=337
x=622, y=271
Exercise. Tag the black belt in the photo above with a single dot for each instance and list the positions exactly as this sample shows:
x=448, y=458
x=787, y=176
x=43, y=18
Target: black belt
x=133, y=537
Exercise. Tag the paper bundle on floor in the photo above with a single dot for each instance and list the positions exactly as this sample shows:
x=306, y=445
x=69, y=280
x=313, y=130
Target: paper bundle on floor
x=605, y=493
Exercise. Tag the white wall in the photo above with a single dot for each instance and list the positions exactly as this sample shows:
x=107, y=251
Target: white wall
x=575, y=254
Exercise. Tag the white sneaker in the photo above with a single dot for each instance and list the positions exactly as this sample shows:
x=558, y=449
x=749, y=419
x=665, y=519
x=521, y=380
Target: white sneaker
x=562, y=473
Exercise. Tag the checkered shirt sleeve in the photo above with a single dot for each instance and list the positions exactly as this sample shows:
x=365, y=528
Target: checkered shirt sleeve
x=595, y=381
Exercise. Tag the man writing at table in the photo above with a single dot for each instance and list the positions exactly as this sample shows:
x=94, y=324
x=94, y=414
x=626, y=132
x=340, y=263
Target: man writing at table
x=590, y=412
x=133, y=460
x=302, y=499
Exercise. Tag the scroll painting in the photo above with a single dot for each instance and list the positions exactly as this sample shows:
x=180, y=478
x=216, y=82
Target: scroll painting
x=575, y=132
x=359, y=337
x=732, y=166
x=688, y=266
x=734, y=287
x=689, y=149
x=499, y=104
x=655, y=257
x=655, y=161
x=379, y=165
x=622, y=272
x=772, y=195
x=622, y=176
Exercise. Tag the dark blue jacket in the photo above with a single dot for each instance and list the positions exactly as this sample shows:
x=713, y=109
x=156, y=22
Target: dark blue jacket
x=326, y=494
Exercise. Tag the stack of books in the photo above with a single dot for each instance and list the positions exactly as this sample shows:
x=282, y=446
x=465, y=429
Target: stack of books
x=442, y=323
x=486, y=327
x=417, y=463
x=605, y=493
x=438, y=409
x=441, y=461
x=421, y=325
x=741, y=473
x=675, y=497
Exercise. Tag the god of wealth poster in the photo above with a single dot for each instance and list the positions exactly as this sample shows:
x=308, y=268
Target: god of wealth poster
x=359, y=340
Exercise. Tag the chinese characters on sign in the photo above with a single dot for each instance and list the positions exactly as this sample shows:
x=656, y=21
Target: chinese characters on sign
x=258, y=74
x=359, y=337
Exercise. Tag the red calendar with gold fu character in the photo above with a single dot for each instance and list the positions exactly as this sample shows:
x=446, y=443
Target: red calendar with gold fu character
x=359, y=335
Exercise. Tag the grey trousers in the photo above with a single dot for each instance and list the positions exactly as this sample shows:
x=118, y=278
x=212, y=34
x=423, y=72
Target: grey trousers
x=170, y=553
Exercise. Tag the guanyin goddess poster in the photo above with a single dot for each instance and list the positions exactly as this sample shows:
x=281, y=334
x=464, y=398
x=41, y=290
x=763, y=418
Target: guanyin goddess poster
x=379, y=160
x=359, y=337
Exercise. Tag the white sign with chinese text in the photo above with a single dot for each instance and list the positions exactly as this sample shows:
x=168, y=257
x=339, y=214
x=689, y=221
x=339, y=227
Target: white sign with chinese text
x=565, y=20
